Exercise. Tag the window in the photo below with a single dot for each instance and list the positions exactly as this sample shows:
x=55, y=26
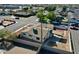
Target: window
x=37, y=38
x=35, y=31
x=50, y=31
x=24, y=33
x=30, y=35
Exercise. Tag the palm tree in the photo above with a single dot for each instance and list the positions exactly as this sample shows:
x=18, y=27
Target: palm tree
x=51, y=7
x=41, y=17
x=51, y=16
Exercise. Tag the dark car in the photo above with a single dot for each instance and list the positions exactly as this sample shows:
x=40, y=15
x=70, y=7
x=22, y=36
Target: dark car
x=62, y=27
x=74, y=20
x=55, y=23
x=17, y=18
x=75, y=26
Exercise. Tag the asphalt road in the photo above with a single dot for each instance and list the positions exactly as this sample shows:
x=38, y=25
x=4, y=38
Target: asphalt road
x=75, y=40
x=21, y=22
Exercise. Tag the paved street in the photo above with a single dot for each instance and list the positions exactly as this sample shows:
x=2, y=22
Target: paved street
x=75, y=40
x=21, y=22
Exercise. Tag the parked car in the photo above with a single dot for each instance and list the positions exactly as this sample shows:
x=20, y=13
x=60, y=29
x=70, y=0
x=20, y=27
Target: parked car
x=16, y=17
x=55, y=23
x=74, y=20
x=74, y=26
x=62, y=27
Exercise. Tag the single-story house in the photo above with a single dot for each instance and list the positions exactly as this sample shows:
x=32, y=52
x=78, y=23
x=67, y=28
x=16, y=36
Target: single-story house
x=37, y=34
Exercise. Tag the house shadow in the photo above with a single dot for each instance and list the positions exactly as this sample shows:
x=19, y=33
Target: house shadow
x=6, y=46
x=57, y=39
x=63, y=40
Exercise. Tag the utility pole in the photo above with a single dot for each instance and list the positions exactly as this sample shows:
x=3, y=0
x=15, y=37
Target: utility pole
x=41, y=32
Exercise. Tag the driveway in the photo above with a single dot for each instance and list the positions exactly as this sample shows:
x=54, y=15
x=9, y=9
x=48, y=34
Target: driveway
x=75, y=40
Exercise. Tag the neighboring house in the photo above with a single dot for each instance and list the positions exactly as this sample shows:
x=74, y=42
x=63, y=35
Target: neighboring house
x=57, y=12
x=70, y=14
x=34, y=9
x=76, y=13
x=24, y=14
x=9, y=6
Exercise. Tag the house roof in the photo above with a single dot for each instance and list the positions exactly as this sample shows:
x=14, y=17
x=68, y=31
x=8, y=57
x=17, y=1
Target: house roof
x=9, y=6
x=76, y=12
x=22, y=13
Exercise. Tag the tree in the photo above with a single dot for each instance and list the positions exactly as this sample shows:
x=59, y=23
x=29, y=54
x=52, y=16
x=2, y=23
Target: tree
x=29, y=11
x=46, y=20
x=51, y=16
x=4, y=36
x=25, y=9
x=64, y=9
x=51, y=8
x=4, y=33
x=40, y=15
x=30, y=7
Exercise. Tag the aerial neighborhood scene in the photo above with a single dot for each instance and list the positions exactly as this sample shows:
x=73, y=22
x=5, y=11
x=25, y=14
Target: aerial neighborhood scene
x=39, y=29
